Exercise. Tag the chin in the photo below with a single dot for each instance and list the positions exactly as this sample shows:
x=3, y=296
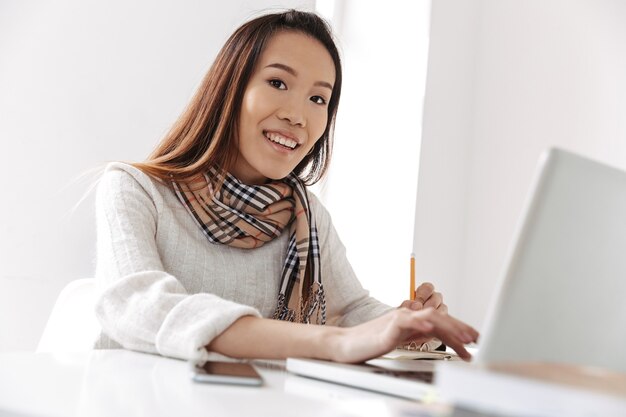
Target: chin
x=277, y=176
x=275, y=173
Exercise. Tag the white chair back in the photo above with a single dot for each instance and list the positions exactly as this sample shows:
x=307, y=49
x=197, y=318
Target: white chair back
x=72, y=325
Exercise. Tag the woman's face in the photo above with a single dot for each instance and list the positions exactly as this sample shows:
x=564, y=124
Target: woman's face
x=285, y=107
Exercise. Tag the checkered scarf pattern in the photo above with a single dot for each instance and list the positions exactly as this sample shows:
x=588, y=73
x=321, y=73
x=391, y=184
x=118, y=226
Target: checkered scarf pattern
x=248, y=216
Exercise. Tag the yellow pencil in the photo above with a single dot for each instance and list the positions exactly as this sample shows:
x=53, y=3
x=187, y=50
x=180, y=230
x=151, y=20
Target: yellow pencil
x=412, y=282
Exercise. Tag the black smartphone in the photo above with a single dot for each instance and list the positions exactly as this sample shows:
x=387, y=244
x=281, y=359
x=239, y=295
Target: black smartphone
x=236, y=373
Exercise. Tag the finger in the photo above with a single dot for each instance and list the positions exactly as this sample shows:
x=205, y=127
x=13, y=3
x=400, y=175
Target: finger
x=459, y=339
x=459, y=348
x=435, y=300
x=452, y=332
x=406, y=304
x=417, y=305
x=443, y=308
x=423, y=292
x=464, y=332
x=431, y=323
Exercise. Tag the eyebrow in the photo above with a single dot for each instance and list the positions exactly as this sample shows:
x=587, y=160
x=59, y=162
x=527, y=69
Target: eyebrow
x=293, y=72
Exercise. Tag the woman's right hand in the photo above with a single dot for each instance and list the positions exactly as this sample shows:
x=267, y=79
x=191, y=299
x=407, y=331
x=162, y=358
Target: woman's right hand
x=399, y=326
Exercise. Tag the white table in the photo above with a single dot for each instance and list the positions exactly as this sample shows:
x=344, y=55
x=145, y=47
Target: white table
x=121, y=383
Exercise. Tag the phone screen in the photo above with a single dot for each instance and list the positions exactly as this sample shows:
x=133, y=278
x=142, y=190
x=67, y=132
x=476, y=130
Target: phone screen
x=226, y=373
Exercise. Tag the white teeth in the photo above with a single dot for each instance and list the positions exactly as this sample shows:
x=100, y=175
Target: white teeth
x=282, y=140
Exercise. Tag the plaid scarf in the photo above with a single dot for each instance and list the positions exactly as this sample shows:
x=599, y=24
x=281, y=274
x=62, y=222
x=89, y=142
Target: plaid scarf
x=248, y=216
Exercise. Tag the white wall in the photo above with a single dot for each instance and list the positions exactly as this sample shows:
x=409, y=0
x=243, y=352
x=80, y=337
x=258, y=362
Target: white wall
x=370, y=189
x=507, y=79
x=83, y=83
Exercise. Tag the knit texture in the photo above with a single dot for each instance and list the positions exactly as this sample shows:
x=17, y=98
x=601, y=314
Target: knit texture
x=165, y=289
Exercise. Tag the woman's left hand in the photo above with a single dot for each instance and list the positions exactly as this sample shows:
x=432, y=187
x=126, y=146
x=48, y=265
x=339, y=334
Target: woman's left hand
x=426, y=296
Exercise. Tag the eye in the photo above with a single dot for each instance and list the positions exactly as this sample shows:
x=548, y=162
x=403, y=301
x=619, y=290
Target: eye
x=278, y=84
x=318, y=100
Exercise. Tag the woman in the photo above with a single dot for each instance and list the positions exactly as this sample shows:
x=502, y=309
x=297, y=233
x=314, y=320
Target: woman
x=214, y=245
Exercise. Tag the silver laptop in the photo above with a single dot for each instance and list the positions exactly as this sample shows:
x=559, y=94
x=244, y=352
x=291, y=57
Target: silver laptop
x=562, y=296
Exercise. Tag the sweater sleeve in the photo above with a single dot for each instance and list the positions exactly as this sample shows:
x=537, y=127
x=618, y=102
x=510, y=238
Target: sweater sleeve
x=347, y=302
x=141, y=306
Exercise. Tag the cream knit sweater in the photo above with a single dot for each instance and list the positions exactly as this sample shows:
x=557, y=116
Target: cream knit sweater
x=166, y=289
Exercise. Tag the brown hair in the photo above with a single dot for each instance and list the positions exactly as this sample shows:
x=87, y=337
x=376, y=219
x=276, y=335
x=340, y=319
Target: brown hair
x=205, y=134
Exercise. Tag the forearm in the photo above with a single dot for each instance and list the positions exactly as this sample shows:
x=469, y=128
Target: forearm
x=253, y=337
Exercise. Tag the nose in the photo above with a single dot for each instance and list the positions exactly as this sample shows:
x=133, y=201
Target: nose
x=293, y=113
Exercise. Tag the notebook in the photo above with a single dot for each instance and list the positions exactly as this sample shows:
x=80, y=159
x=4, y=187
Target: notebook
x=560, y=296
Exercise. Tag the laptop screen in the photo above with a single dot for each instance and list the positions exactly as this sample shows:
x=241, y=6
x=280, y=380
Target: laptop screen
x=561, y=296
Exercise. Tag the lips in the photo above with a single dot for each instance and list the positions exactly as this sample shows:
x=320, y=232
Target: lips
x=281, y=139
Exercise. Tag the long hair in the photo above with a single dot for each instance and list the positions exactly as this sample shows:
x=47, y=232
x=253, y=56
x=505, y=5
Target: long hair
x=205, y=135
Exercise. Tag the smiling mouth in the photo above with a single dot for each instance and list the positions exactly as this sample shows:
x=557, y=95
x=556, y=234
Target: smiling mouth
x=287, y=143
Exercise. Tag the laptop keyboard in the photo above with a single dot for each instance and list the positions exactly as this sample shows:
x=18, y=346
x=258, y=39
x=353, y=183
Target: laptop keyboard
x=425, y=376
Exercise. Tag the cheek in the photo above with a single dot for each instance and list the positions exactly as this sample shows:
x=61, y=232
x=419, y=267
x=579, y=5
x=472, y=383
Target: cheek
x=319, y=124
x=247, y=109
x=255, y=106
x=317, y=129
